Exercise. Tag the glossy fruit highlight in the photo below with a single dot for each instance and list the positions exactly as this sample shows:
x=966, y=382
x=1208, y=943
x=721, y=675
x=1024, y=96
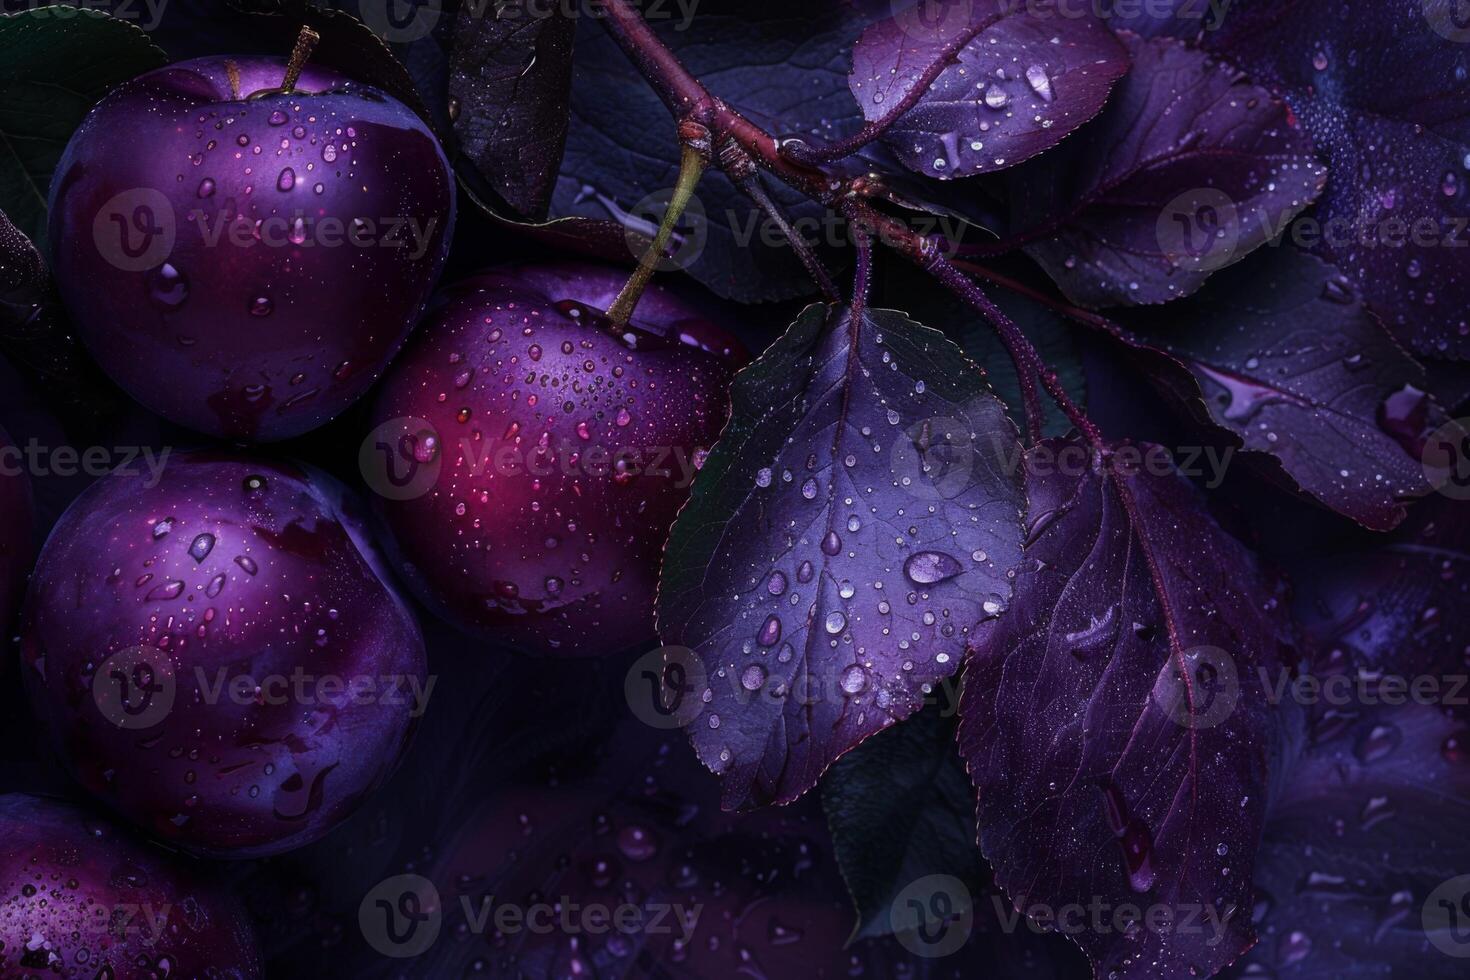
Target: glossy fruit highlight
x=530, y=457
x=82, y=900
x=220, y=658
x=245, y=260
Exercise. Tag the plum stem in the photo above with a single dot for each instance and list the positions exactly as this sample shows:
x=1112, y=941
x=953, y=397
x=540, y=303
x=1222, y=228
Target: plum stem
x=690, y=102
x=305, y=43
x=691, y=166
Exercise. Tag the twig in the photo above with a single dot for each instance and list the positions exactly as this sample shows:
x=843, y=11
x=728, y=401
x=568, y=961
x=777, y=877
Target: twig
x=755, y=189
x=691, y=102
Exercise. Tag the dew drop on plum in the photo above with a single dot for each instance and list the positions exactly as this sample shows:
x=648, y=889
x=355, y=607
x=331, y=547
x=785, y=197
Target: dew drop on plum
x=168, y=287
x=201, y=546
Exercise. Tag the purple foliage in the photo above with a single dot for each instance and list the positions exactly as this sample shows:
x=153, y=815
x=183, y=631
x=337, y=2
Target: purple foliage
x=850, y=532
x=969, y=88
x=1114, y=721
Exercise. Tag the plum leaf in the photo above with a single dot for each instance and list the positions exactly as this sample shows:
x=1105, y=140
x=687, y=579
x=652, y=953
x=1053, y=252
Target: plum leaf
x=1281, y=351
x=849, y=531
x=1009, y=81
x=54, y=64
x=901, y=807
x=1114, y=722
x=510, y=81
x=1188, y=169
x=1393, y=122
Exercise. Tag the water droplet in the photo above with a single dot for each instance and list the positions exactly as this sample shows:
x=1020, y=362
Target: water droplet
x=200, y=547
x=168, y=287
x=930, y=567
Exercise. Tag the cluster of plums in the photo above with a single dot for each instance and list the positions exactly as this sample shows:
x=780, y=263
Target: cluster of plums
x=217, y=652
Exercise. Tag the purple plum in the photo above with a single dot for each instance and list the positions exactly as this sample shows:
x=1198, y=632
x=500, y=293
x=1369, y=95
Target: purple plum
x=243, y=259
x=530, y=457
x=15, y=530
x=81, y=900
x=221, y=658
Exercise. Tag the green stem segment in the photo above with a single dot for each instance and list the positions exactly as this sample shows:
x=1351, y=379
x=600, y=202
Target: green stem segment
x=691, y=166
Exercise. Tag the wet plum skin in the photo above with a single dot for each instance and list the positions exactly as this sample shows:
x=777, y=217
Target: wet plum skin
x=238, y=329
x=231, y=574
x=78, y=895
x=530, y=533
